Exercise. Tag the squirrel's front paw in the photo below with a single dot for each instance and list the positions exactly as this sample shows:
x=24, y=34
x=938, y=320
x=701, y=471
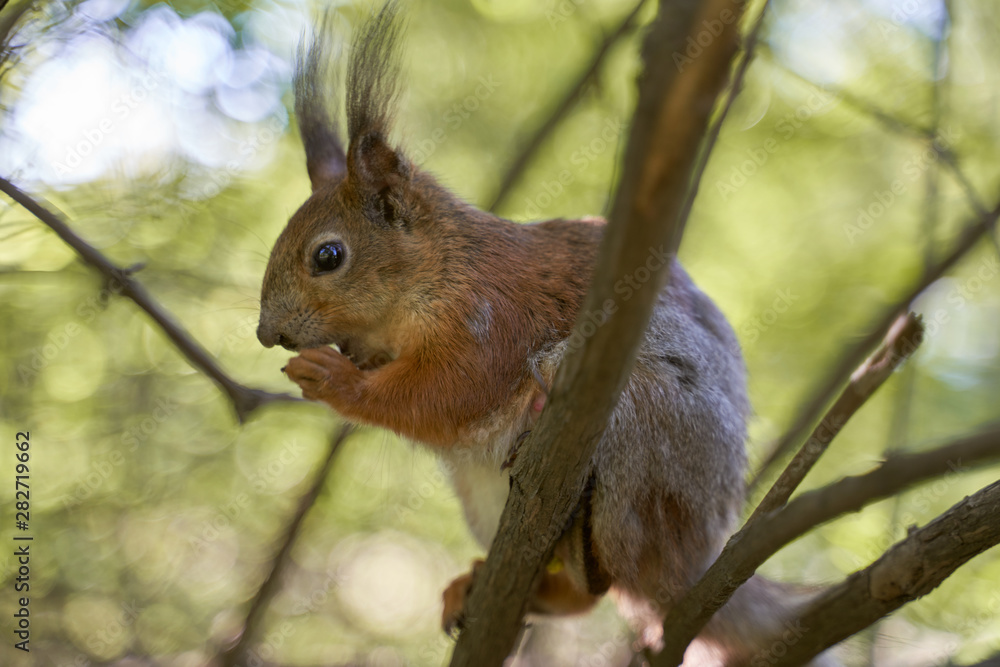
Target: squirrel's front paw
x=453, y=616
x=322, y=373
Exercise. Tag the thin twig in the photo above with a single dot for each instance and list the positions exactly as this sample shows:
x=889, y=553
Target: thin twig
x=120, y=281
x=749, y=548
x=932, y=196
x=268, y=589
x=548, y=476
x=902, y=340
x=541, y=135
x=909, y=570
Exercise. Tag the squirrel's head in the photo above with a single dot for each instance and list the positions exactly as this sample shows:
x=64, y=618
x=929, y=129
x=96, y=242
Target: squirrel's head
x=339, y=269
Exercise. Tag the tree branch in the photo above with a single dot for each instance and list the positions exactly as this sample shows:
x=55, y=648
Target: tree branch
x=548, y=475
x=902, y=340
x=749, y=548
x=235, y=655
x=244, y=399
x=909, y=570
x=541, y=135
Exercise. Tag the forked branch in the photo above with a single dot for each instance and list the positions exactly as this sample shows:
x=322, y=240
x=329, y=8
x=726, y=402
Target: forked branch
x=902, y=340
x=909, y=570
x=120, y=281
x=749, y=548
x=982, y=225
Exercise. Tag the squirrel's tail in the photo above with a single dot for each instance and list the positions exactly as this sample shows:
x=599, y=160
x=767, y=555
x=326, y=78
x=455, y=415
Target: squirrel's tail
x=758, y=625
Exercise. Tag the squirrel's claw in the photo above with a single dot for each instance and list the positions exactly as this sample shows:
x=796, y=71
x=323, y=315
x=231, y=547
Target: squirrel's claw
x=453, y=616
x=453, y=625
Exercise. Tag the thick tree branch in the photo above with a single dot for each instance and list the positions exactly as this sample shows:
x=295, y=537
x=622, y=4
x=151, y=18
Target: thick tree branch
x=119, y=281
x=548, y=476
x=902, y=340
x=909, y=570
x=541, y=135
x=749, y=548
x=234, y=656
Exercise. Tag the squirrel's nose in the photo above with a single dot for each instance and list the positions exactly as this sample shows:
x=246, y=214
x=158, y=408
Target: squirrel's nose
x=269, y=336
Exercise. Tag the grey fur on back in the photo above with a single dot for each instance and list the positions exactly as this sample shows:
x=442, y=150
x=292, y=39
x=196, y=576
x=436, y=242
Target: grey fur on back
x=674, y=448
x=675, y=451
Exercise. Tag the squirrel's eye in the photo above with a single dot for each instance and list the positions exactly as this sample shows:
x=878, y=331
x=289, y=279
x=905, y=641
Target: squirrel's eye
x=328, y=257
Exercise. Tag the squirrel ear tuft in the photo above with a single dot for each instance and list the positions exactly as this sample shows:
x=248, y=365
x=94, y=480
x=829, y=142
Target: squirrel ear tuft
x=315, y=111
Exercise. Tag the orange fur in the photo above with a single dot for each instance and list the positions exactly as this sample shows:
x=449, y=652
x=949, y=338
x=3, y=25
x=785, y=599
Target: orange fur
x=443, y=377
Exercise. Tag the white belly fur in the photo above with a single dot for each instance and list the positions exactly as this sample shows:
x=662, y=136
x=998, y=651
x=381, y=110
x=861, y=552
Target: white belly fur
x=474, y=464
x=483, y=490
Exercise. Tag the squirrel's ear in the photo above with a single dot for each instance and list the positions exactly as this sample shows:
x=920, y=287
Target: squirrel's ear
x=379, y=171
x=374, y=164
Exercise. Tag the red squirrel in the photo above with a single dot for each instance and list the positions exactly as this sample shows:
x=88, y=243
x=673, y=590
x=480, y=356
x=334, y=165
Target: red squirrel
x=449, y=323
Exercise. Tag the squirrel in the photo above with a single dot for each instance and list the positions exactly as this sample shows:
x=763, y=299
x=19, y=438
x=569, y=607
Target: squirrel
x=449, y=324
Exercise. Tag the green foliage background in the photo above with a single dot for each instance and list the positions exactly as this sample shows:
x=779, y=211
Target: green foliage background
x=155, y=514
